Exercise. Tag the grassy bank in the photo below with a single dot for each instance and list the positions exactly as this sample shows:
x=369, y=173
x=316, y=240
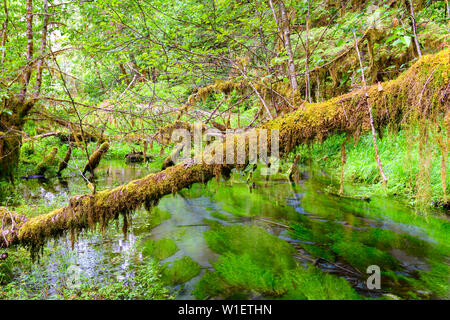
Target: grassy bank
x=418, y=180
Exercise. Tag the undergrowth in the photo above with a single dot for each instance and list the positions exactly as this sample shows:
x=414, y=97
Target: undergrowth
x=399, y=157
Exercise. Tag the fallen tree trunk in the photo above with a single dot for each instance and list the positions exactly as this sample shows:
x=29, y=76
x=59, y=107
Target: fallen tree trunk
x=65, y=162
x=94, y=159
x=415, y=93
x=47, y=162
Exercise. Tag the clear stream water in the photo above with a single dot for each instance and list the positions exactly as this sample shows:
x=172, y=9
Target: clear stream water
x=273, y=204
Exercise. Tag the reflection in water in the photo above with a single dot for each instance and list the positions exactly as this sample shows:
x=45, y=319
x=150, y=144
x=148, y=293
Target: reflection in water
x=272, y=203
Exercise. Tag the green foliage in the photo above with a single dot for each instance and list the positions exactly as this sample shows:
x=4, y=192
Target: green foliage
x=362, y=256
x=181, y=271
x=436, y=280
x=265, y=249
x=160, y=249
x=158, y=216
x=33, y=281
x=398, y=155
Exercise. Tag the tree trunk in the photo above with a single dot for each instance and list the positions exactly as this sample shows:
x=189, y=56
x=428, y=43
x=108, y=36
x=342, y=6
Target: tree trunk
x=288, y=48
x=307, y=79
x=4, y=31
x=367, y=102
x=43, y=48
x=413, y=24
x=29, y=54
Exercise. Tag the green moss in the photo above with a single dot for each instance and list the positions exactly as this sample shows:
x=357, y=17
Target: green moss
x=182, y=270
x=96, y=156
x=160, y=249
x=47, y=162
x=65, y=162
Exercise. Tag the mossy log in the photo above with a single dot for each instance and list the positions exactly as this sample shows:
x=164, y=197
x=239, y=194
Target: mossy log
x=95, y=158
x=65, y=162
x=170, y=160
x=71, y=137
x=9, y=225
x=413, y=94
x=140, y=156
x=47, y=162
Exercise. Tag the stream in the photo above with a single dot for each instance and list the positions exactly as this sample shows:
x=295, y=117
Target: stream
x=341, y=236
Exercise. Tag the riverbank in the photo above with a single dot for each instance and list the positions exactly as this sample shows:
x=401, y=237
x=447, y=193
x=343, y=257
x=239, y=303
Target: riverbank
x=401, y=160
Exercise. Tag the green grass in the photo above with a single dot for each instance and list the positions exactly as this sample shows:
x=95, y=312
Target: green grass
x=399, y=157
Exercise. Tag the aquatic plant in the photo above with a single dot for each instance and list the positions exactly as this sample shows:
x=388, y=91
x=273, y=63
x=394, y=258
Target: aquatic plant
x=160, y=249
x=181, y=271
x=256, y=262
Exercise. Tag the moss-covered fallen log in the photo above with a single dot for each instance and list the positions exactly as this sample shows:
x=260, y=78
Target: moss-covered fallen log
x=169, y=161
x=94, y=159
x=65, y=162
x=47, y=162
x=422, y=91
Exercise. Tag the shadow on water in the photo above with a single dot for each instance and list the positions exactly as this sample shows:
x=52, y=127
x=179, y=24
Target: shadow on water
x=211, y=224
